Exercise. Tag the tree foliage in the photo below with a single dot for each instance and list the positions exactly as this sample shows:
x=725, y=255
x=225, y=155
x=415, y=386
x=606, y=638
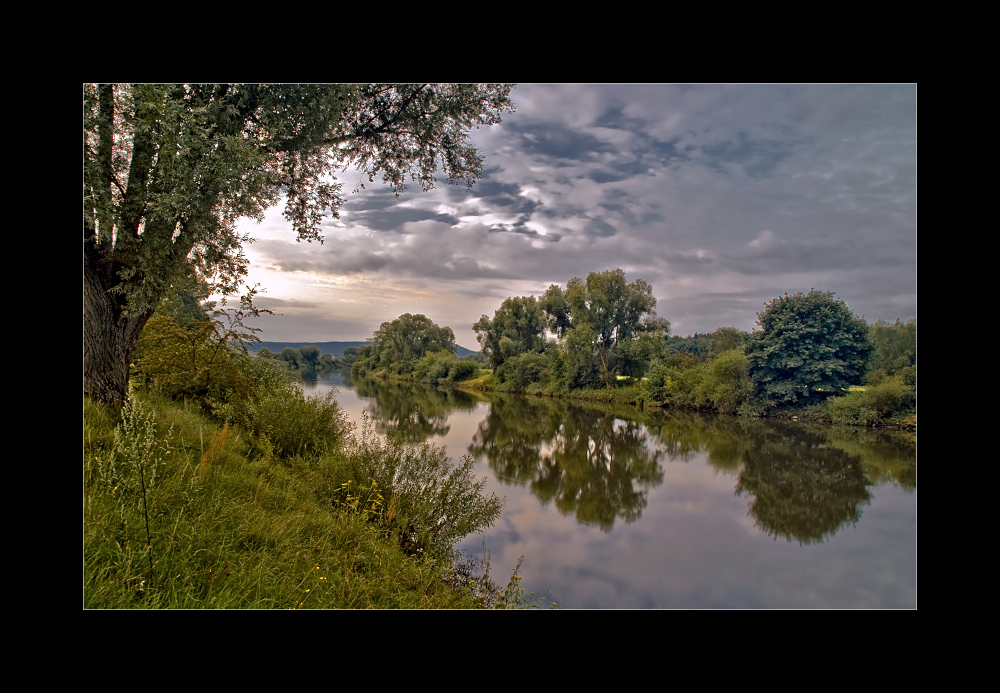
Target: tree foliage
x=726, y=339
x=397, y=346
x=809, y=347
x=204, y=358
x=170, y=168
x=895, y=348
x=616, y=319
x=517, y=327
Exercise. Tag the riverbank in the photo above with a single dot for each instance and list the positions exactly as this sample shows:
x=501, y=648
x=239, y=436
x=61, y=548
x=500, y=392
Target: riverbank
x=633, y=395
x=181, y=511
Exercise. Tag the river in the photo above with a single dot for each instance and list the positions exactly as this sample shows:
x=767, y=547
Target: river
x=613, y=507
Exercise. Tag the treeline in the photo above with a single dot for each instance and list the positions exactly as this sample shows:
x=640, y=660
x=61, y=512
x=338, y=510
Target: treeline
x=307, y=363
x=601, y=337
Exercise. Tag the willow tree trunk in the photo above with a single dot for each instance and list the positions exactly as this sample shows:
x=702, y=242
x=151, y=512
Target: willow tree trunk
x=109, y=338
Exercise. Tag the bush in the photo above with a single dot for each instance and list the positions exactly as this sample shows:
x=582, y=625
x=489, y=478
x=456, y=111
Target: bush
x=524, y=369
x=728, y=382
x=188, y=361
x=282, y=420
x=889, y=397
x=428, y=502
x=679, y=387
x=463, y=370
x=443, y=367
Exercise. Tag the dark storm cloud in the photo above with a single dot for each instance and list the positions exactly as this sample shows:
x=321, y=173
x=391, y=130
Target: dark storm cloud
x=556, y=142
x=394, y=218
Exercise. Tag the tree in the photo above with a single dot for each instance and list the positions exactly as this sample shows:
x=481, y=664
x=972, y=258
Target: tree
x=517, y=327
x=810, y=346
x=398, y=345
x=726, y=339
x=619, y=319
x=895, y=348
x=697, y=345
x=170, y=168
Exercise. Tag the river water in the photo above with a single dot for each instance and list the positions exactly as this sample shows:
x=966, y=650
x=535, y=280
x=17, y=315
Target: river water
x=613, y=507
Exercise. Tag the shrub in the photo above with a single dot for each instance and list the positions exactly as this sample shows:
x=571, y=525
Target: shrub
x=889, y=397
x=428, y=502
x=443, y=367
x=728, y=382
x=190, y=361
x=679, y=387
x=463, y=370
x=282, y=420
x=524, y=369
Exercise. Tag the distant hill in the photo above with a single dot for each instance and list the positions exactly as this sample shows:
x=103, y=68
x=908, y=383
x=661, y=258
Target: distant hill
x=335, y=349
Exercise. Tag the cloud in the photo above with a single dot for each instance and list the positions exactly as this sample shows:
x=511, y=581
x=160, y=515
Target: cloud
x=720, y=196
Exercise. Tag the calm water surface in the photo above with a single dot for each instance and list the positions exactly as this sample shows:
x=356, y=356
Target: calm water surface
x=619, y=508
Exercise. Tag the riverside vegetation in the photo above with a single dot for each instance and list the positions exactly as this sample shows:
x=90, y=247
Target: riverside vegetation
x=812, y=358
x=218, y=484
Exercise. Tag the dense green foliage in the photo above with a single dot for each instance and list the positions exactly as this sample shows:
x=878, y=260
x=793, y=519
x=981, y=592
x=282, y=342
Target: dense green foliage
x=397, y=346
x=170, y=168
x=889, y=397
x=620, y=321
x=809, y=346
x=605, y=328
x=697, y=344
x=443, y=367
x=517, y=327
x=185, y=352
x=727, y=339
x=895, y=348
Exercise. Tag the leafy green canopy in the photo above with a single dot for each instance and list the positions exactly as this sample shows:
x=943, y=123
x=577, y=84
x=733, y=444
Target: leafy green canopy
x=895, y=348
x=169, y=169
x=610, y=326
x=809, y=347
x=517, y=327
x=397, y=346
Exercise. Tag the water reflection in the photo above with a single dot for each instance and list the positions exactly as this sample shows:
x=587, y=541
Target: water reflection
x=418, y=411
x=799, y=487
x=803, y=483
x=590, y=463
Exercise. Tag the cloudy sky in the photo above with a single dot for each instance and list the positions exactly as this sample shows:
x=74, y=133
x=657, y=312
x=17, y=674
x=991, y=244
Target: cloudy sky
x=721, y=197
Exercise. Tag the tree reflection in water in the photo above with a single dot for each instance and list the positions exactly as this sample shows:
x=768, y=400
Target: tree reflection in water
x=592, y=464
x=598, y=463
x=419, y=411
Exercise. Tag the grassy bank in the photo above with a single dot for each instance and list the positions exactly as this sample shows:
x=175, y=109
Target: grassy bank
x=888, y=404
x=181, y=511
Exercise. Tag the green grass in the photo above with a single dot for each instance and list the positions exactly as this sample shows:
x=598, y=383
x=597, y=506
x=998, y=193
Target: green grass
x=181, y=512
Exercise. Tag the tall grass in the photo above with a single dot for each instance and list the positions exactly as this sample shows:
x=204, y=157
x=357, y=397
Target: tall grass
x=182, y=511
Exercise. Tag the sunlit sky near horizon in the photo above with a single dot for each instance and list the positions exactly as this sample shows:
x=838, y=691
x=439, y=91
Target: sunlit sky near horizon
x=721, y=197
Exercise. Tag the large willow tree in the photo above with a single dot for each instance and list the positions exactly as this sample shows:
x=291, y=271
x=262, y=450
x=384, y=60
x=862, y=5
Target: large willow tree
x=170, y=168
